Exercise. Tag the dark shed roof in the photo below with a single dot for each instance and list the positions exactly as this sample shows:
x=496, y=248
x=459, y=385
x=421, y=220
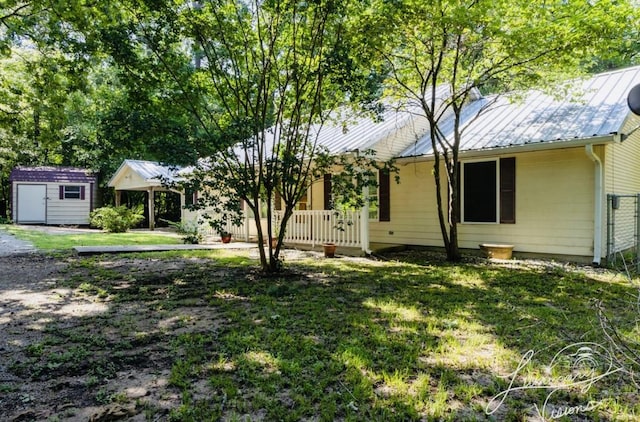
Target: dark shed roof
x=51, y=174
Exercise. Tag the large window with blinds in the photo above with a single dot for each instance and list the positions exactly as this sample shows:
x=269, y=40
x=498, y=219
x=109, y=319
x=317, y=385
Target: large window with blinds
x=488, y=191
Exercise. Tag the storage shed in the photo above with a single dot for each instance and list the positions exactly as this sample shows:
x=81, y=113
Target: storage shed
x=52, y=195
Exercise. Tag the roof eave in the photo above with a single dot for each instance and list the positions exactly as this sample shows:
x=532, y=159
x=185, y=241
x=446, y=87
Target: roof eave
x=529, y=147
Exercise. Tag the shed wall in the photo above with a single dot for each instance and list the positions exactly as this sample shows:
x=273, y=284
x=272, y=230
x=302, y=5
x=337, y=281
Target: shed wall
x=60, y=212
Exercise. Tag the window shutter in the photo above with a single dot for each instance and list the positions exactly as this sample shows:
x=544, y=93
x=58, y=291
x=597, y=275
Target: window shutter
x=384, y=196
x=61, y=188
x=508, y=190
x=82, y=193
x=327, y=192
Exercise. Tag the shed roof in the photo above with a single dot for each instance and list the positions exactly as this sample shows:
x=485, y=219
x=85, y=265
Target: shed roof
x=51, y=174
x=595, y=107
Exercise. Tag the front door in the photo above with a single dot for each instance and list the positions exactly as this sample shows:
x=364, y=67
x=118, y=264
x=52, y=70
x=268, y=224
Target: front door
x=32, y=204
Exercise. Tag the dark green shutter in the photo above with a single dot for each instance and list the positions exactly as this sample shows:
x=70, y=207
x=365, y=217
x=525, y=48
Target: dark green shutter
x=384, y=196
x=508, y=190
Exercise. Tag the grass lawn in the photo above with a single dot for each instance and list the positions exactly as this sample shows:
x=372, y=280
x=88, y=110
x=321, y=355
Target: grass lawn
x=46, y=241
x=346, y=339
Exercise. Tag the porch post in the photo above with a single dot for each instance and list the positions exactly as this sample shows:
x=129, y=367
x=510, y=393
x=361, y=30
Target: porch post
x=118, y=197
x=247, y=221
x=364, y=222
x=152, y=223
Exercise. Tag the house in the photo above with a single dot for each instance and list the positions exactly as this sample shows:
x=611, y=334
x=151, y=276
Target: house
x=549, y=174
x=542, y=173
x=52, y=195
x=535, y=173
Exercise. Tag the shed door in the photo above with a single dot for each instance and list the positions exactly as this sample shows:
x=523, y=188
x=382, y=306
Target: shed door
x=32, y=204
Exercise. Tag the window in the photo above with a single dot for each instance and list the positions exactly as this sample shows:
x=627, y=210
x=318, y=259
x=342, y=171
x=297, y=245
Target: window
x=373, y=205
x=71, y=192
x=190, y=196
x=488, y=191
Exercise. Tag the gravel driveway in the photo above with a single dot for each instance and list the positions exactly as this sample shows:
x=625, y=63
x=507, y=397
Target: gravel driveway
x=11, y=245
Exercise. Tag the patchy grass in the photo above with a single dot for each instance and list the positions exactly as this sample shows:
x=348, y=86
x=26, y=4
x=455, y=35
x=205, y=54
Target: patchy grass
x=340, y=339
x=48, y=241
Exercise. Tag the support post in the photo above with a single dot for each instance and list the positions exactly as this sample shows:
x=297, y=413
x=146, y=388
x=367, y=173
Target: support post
x=364, y=222
x=118, y=197
x=247, y=222
x=152, y=223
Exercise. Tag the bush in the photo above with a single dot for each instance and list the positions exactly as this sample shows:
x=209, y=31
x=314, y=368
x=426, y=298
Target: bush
x=116, y=219
x=190, y=231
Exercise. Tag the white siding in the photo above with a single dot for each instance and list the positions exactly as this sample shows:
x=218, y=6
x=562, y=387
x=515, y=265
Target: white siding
x=60, y=212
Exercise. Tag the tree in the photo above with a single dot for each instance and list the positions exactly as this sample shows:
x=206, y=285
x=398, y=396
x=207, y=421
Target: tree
x=439, y=52
x=260, y=78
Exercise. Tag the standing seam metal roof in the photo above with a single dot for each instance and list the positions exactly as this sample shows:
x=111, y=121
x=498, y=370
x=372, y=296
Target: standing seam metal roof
x=595, y=107
x=150, y=171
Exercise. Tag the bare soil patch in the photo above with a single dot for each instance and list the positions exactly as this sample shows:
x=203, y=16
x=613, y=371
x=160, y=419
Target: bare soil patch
x=71, y=352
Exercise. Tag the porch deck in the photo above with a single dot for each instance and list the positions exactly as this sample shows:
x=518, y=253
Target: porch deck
x=376, y=248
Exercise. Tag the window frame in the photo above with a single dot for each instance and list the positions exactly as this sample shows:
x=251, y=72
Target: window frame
x=66, y=191
x=461, y=184
x=372, y=201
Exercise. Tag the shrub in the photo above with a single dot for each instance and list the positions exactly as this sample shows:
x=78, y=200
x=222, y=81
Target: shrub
x=189, y=230
x=116, y=219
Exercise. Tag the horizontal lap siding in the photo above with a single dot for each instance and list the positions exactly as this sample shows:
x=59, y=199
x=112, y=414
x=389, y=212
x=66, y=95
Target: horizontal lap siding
x=622, y=163
x=413, y=217
x=622, y=177
x=554, y=207
x=67, y=211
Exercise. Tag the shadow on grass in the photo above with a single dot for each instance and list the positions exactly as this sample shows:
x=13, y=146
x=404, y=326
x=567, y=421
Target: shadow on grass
x=334, y=340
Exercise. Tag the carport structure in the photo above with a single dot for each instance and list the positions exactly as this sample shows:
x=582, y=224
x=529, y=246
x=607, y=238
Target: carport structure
x=144, y=176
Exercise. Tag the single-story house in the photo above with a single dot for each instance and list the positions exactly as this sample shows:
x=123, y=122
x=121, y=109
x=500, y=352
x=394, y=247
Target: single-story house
x=52, y=195
x=534, y=173
x=538, y=173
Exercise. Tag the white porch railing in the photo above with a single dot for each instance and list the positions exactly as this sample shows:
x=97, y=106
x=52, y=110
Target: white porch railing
x=305, y=227
x=322, y=226
x=237, y=232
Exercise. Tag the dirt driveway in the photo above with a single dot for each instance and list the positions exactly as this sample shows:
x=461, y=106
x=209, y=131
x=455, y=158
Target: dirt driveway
x=69, y=354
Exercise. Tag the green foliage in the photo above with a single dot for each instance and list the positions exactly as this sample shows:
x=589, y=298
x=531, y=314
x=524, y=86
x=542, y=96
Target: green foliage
x=439, y=53
x=46, y=241
x=190, y=231
x=116, y=219
x=404, y=338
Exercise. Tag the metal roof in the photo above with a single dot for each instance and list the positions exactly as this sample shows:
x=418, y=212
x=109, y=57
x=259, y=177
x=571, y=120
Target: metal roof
x=51, y=174
x=150, y=171
x=592, y=108
x=349, y=130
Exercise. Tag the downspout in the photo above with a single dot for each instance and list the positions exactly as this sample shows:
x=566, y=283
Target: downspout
x=597, y=212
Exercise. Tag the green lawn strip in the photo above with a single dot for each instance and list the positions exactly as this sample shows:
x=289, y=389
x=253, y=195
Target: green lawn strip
x=46, y=241
x=335, y=339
